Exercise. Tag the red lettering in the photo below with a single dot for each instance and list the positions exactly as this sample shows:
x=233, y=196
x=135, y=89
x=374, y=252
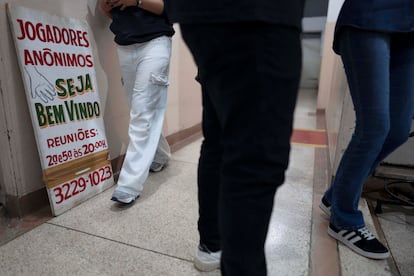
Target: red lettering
x=28, y=58
x=57, y=141
x=50, y=143
x=57, y=35
x=30, y=30
x=65, y=36
x=23, y=33
x=73, y=39
x=40, y=32
x=85, y=38
x=50, y=33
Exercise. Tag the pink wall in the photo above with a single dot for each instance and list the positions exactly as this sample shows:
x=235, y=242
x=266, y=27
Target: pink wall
x=332, y=88
x=20, y=171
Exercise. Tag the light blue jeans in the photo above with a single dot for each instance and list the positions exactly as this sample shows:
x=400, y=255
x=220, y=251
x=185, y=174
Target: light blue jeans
x=380, y=73
x=145, y=68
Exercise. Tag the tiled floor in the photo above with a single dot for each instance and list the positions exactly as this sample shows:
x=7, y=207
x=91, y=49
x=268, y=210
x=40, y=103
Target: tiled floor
x=157, y=235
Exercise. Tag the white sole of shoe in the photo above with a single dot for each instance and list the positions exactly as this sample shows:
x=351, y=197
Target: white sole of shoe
x=325, y=209
x=126, y=201
x=375, y=256
x=205, y=267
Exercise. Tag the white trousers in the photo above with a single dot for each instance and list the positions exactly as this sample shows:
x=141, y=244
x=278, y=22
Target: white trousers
x=144, y=68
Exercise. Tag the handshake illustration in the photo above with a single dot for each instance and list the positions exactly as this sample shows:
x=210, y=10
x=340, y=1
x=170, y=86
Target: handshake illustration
x=40, y=87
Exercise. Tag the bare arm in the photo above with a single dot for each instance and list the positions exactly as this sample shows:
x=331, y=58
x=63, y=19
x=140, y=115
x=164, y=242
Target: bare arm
x=154, y=6
x=105, y=7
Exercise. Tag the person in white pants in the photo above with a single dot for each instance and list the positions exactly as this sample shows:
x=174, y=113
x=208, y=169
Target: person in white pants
x=143, y=36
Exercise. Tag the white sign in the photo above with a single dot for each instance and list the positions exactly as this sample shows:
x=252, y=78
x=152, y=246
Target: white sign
x=57, y=65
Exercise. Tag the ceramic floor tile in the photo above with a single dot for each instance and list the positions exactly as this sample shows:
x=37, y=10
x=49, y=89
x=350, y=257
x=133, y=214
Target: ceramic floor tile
x=54, y=250
x=398, y=227
x=163, y=219
x=287, y=248
x=304, y=121
x=189, y=153
x=300, y=163
x=10, y=228
x=158, y=234
x=305, y=112
x=288, y=241
x=294, y=200
x=309, y=137
x=301, y=158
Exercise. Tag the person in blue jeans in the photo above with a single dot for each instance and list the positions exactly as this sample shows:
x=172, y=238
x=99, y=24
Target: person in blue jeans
x=375, y=40
x=248, y=55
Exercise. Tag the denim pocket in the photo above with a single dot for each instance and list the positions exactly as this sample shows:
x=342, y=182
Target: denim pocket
x=157, y=91
x=159, y=79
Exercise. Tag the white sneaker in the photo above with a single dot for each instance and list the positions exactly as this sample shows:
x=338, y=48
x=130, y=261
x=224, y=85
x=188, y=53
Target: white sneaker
x=157, y=167
x=205, y=260
x=122, y=197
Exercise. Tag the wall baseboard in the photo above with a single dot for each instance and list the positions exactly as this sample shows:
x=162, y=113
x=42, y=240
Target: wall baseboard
x=184, y=137
x=21, y=206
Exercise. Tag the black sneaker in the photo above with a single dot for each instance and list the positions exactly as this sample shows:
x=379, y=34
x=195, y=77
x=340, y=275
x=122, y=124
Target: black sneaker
x=325, y=206
x=362, y=241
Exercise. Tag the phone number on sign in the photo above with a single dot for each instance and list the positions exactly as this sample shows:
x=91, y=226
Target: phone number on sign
x=67, y=155
x=77, y=186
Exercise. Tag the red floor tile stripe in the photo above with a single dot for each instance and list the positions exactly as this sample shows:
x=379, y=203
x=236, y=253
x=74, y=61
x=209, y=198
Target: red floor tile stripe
x=313, y=137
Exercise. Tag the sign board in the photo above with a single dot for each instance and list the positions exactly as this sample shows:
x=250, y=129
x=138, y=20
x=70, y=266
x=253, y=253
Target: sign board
x=57, y=66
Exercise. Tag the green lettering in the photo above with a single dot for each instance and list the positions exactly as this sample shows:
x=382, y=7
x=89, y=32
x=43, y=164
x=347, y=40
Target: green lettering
x=80, y=88
x=97, y=109
x=59, y=114
x=88, y=83
x=49, y=114
x=62, y=93
x=41, y=118
x=71, y=87
x=77, y=111
x=69, y=110
x=90, y=109
x=83, y=111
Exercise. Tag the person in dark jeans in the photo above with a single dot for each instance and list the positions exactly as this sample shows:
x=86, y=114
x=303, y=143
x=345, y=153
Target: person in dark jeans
x=375, y=40
x=248, y=54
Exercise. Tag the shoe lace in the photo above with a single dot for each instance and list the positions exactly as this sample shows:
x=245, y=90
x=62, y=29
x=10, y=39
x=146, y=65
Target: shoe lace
x=366, y=233
x=204, y=248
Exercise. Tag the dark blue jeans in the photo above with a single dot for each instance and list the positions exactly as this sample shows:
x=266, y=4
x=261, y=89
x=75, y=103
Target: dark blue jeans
x=380, y=72
x=249, y=75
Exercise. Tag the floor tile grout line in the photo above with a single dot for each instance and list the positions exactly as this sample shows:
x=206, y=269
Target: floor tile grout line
x=309, y=145
x=186, y=162
x=119, y=242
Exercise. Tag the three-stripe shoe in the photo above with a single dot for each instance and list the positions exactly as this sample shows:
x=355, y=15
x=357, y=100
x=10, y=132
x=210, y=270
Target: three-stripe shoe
x=325, y=207
x=362, y=241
